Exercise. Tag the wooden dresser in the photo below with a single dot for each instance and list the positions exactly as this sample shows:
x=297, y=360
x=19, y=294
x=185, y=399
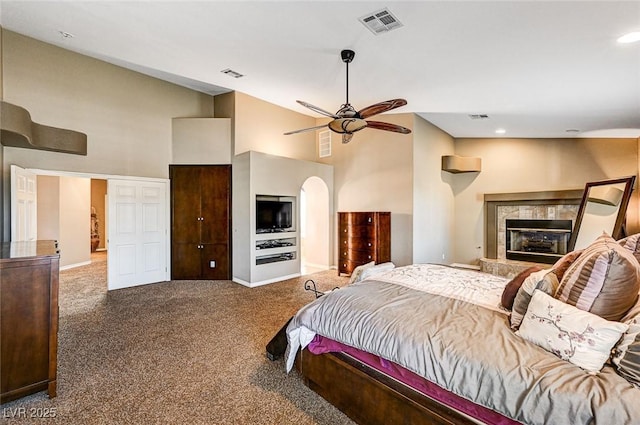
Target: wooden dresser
x=363, y=237
x=28, y=318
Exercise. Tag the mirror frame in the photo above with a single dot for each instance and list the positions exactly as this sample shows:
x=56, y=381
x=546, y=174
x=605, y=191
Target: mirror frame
x=618, y=228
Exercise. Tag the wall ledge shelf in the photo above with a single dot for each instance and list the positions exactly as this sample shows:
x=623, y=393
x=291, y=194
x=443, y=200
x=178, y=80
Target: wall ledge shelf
x=458, y=164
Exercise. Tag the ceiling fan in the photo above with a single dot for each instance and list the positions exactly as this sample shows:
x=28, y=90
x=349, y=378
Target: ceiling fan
x=347, y=120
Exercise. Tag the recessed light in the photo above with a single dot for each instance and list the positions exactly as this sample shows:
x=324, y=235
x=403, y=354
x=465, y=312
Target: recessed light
x=501, y=131
x=632, y=37
x=572, y=130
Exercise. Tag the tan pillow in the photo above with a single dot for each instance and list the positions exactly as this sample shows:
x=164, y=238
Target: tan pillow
x=626, y=354
x=543, y=280
x=632, y=243
x=511, y=290
x=561, y=266
x=604, y=280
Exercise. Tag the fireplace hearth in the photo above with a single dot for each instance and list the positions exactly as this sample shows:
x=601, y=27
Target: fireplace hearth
x=538, y=241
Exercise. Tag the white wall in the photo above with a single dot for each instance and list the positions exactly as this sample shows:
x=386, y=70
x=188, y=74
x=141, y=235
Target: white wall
x=433, y=197
x=314, y=243
x=256, y=173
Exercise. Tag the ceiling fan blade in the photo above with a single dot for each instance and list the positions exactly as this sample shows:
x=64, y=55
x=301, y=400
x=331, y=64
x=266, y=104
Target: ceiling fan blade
x=305, y=129
x=388, y=127
x=346, y=137
x=317, y=109
x=381, y=107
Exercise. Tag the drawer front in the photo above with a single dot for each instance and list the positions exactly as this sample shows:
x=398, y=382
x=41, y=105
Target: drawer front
x=347, y=266
x=360, y=219
x=357, y=256
x=348, y=244
x=358, y=232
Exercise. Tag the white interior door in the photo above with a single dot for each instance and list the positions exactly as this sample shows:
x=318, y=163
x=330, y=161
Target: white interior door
x=137, y=233
x=24, y=197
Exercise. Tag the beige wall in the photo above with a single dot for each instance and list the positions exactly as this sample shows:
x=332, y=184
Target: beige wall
x=2, y=212
x=75, y=221
x=126, y=115
x=433, y=195
x=524, y=165
x=98, y=193
x=259, y=127
x=374, y=172
x=201, y=141
x=48, y=205
x=64, y=214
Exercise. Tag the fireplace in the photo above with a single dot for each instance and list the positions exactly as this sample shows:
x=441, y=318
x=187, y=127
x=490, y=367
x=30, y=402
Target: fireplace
x=538, y=241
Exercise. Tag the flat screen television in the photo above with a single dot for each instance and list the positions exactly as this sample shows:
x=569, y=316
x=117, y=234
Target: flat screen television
x=273, y=216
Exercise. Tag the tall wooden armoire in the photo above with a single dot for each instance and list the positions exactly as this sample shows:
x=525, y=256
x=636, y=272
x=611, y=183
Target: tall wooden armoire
x=200, y=221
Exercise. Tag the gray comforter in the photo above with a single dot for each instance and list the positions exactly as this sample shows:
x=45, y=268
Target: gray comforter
x=467, y=349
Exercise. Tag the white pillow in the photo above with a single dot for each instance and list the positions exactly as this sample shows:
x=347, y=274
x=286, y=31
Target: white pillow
x=356, y=274
x=377, y=269
x=575, y=335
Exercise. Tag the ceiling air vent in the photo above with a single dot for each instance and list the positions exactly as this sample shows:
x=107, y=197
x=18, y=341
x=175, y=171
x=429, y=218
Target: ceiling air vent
x=479, y=116
x=380, y=21
x=232, y=73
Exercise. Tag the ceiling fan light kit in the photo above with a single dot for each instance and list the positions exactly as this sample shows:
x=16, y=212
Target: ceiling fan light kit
x=347, y=120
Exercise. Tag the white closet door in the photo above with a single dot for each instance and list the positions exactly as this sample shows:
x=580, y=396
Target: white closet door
x=24, y=197
x=137, y=234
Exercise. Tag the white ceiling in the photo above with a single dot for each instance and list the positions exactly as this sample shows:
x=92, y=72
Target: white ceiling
x=536, y=68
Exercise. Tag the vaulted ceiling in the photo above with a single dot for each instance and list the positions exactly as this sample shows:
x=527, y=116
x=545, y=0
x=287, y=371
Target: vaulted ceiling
x=534, y=68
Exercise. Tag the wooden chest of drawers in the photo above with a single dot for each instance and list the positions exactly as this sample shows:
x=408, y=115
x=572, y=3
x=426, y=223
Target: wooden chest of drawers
x=363, y=237
x=28, y=318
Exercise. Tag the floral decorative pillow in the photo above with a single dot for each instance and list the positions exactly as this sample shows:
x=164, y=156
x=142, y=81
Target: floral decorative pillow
x=577, y=336
x=543, y=280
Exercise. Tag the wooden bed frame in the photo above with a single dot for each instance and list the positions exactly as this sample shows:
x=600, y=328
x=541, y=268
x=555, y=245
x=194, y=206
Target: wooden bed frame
x=370, y=397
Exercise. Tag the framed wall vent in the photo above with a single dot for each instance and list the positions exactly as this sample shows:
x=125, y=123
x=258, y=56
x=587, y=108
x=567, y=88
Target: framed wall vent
x=324, y=143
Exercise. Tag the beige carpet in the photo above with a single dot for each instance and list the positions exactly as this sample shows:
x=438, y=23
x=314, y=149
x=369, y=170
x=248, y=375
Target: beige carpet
x=180, y=352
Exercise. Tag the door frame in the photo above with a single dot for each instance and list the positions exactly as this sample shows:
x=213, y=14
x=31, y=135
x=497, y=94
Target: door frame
x=41, y=172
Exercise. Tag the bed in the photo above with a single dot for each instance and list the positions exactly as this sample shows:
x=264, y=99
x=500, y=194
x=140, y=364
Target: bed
x=433, y=344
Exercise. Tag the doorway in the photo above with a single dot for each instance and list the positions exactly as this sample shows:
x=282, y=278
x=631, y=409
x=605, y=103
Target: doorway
x=315, y=235
x=135, y=224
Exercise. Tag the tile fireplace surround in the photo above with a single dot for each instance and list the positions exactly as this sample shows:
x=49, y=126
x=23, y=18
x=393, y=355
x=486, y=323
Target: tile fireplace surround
x=498, y=207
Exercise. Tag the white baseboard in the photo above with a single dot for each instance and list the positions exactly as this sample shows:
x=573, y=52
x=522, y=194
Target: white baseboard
x=72, y=266
x=264, y=282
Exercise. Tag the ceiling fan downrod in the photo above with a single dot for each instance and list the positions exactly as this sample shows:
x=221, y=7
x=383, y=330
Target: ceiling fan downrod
x=347, y=56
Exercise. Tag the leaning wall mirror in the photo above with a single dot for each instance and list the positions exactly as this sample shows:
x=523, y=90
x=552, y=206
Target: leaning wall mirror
x=603, y=209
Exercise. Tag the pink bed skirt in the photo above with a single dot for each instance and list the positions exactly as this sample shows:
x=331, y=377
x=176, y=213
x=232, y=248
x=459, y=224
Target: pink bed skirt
x=321, y=345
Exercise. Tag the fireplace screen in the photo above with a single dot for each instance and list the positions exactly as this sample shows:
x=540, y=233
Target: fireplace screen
x=538, y=241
